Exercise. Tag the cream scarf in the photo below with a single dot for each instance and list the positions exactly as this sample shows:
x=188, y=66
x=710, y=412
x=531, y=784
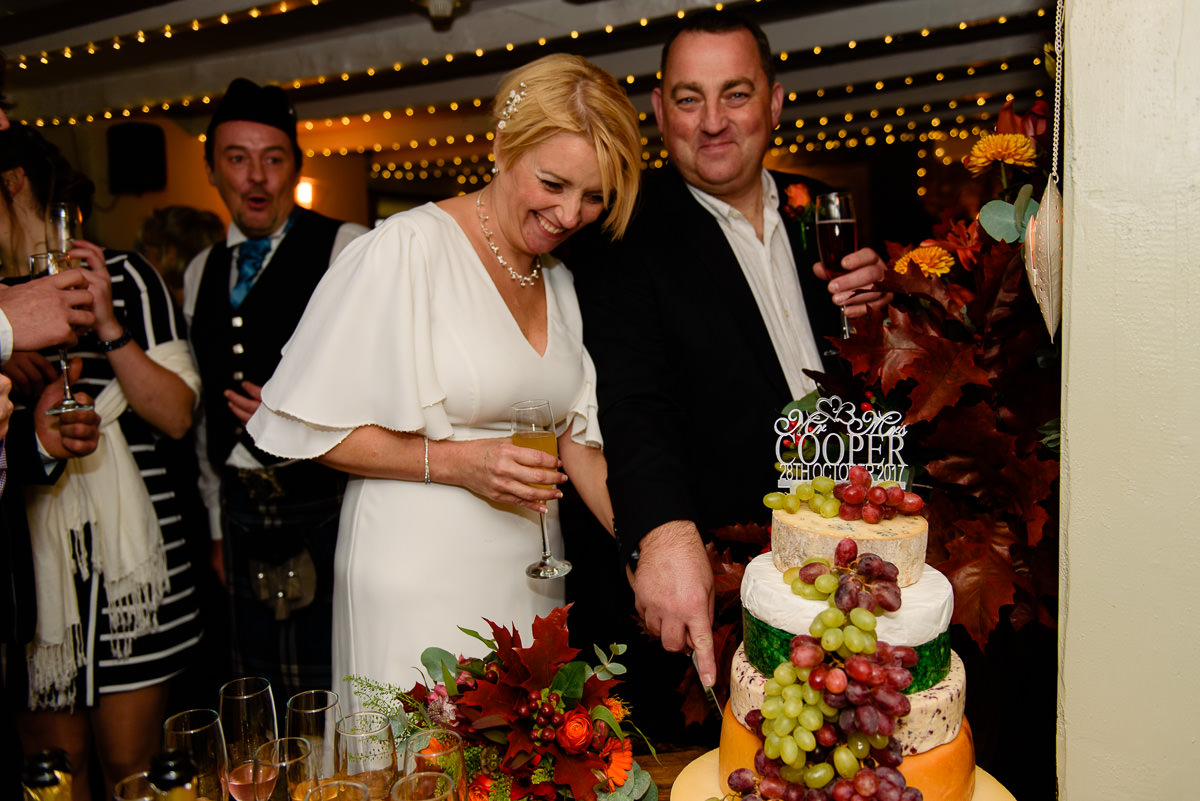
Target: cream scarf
x=105, y=491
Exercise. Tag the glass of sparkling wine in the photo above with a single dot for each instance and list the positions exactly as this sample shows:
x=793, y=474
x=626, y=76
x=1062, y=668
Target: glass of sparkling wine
x=50, y=264
x=437, y=751
x=533, y=427
x=284, y=770
x=198, y=731
x=425, y=786
x=64, y=222
x=837, y=236
x=366, y=752
x=313, y=715
x=248, y=721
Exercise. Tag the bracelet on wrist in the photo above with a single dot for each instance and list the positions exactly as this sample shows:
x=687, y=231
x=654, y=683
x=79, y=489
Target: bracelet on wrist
x=109, y=345
x=426, y=460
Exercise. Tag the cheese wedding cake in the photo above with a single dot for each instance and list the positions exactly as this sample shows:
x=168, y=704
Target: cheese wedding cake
x=845, y=685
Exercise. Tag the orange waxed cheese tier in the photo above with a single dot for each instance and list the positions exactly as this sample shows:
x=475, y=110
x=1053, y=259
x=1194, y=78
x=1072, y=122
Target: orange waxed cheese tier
x=738, y=747
x=945, y=773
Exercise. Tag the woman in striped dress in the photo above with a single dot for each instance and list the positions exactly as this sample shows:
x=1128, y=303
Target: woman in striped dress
x=117, y=612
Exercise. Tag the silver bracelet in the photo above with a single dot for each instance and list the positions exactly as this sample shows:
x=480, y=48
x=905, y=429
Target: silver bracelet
x=426, y=460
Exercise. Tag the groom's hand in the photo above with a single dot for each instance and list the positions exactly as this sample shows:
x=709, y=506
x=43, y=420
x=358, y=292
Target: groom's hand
x=674, y=593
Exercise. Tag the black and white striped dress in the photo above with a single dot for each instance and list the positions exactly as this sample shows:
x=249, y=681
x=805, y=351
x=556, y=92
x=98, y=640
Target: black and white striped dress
x=168, y=467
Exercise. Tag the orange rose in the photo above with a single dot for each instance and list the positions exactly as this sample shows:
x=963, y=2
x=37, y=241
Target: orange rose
x=480, y=789
x=797, y=196
x=575, y=734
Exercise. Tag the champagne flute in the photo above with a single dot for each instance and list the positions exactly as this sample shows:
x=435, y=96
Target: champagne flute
x=198, y=731
x=248, y=721
x=284, y=770
x=313, y=715
x=437, y=751
x=837, y=237
x=64, y=222
x=366, y=751
x=135, y=787
x=533, y=427
x=50, y=264
x=425, y=786
x=339, y=790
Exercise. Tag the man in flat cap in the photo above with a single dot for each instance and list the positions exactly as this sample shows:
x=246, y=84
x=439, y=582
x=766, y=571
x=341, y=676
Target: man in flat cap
x=277, y=520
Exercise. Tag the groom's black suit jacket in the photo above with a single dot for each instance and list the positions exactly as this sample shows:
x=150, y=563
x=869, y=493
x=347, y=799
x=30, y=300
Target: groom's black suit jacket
x=689, y=384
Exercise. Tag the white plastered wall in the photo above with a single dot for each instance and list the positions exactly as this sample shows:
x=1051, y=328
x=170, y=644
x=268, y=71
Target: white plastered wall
x=1129, y=696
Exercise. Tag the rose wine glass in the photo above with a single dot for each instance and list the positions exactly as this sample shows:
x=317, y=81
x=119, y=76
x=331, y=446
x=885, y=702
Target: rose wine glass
x=533, y=427
x=248, y=721
x=50, y=264
x=837, y=236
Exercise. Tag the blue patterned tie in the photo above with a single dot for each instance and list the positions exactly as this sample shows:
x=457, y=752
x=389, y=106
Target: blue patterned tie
x=249, y=261
x=3, y=464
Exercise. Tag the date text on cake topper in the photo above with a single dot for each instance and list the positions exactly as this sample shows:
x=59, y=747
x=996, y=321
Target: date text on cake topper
x=836, y=436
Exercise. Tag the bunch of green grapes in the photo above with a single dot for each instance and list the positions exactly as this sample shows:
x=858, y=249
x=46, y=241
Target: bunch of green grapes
x=817, y=494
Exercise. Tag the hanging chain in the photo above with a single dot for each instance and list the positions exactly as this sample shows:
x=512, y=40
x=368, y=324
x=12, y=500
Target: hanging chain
x=1058, y=87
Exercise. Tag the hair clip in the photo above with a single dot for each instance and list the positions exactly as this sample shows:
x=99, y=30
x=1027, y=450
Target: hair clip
x=510, y=105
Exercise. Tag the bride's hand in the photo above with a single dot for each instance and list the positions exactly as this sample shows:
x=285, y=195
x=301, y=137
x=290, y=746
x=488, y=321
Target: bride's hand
x=505, y=473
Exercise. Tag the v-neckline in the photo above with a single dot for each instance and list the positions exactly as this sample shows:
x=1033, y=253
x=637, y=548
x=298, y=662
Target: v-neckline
x=543, y=285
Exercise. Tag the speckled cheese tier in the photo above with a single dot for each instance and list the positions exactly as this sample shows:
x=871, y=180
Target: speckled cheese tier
x=773, y=613
x=936, y=715
x=804, y=535
x=945, y=773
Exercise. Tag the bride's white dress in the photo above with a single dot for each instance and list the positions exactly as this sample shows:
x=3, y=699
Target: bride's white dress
x=407, y=331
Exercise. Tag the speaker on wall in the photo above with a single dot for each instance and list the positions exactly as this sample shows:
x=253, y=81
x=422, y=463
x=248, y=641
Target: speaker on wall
x=137, y=158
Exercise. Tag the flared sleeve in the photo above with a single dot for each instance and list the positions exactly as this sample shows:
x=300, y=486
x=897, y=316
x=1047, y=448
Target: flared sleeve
x=362, y=353
x=583, y=415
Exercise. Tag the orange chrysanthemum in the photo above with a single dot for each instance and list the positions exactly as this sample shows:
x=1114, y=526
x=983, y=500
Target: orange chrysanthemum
x=931, y=259
x=618, y=759
x=617, y=707
x=1015, y=149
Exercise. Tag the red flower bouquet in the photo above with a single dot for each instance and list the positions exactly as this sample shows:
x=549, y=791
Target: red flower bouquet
x=535, y=722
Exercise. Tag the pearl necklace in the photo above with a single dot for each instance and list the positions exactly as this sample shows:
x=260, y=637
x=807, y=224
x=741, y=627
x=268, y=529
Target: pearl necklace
x=523, y=280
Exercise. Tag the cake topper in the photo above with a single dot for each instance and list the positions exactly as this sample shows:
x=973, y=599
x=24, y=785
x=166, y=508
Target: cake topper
x=836, y=436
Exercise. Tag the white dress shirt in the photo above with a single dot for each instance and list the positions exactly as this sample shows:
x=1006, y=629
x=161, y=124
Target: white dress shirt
x=770, y=271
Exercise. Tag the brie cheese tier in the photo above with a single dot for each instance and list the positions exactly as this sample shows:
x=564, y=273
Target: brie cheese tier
x=935, y=718
x=924, y=613
x=805, y=535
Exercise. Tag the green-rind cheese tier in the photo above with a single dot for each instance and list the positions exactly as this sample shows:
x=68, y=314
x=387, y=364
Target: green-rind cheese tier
x=767, y=647
x=772, y=614
x=935, y=717
x=803, y=535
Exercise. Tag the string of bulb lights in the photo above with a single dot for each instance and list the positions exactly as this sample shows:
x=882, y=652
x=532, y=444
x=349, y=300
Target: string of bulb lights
x=860, y=124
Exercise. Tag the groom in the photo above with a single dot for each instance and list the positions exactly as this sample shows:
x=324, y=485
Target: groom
x=701, y=322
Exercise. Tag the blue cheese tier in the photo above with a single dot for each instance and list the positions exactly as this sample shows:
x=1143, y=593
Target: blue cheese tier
x=935, y=718
x=803, y=535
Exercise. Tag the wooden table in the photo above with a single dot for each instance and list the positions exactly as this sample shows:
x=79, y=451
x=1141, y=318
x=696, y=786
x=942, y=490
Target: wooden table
x=671, y=760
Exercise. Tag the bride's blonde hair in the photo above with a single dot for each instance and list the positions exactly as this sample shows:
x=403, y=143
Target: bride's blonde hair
x=562, y=93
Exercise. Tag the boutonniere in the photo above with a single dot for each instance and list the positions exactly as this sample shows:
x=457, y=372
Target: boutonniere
x=801, y=208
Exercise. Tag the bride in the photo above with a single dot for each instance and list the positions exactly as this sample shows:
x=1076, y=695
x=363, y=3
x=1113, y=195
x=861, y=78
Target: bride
x=412, y=351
